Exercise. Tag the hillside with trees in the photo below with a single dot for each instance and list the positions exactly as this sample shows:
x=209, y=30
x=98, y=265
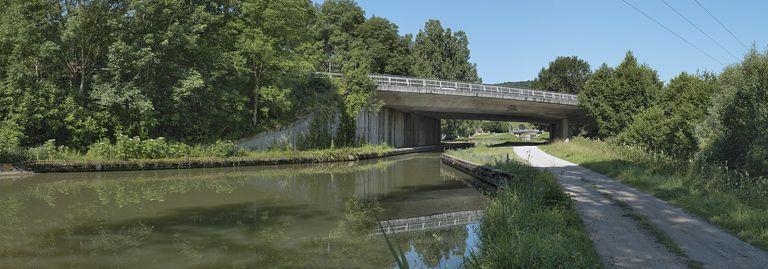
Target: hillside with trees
x=80, y=72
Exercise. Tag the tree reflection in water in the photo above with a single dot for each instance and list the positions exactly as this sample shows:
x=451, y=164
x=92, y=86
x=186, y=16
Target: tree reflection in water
x=292, y=216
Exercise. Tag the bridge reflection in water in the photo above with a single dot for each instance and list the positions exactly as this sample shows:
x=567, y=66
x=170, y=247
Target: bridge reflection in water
x=428, y=223
x=292, y=216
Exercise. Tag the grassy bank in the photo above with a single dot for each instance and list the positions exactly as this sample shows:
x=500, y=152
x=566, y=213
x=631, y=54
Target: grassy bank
x=531, y=223
x=730, y=199
x=158, y=154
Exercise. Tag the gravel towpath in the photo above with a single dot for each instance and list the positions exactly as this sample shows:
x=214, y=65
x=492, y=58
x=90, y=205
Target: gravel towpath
x=618, y=238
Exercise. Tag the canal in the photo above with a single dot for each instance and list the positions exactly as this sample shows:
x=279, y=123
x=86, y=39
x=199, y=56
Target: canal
x=288, y=216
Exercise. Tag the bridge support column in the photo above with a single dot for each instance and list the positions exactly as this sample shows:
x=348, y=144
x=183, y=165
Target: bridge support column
x=559, y=130
x=564, y=129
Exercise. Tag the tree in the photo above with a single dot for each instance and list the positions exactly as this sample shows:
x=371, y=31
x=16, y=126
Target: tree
x=735, y=130
x=441, y=53
x=564, y=74
x=336, y=23
x=613, y=96
x=669, y=126
x=271, y=32
x=377, y=41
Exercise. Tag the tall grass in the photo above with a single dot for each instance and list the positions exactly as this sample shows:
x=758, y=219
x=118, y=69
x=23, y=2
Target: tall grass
x=531, y=222
x=731, y=199
x=135, y=149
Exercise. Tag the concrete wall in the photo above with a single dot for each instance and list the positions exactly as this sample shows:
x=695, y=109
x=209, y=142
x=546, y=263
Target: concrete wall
x=287, y=136
x=386, y=126
x=397, y=128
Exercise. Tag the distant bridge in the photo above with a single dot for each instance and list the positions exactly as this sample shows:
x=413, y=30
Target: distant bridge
x=414, y=106
x=428, y=223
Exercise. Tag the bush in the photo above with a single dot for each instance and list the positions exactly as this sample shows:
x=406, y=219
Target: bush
x=126, y=148
x=10, y=140
x=668, y=127
x=224, y=149
x=49, y=151
x=737, y=124
x=612, y=96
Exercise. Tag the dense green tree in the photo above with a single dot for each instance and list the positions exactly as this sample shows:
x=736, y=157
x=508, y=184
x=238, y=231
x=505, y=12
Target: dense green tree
x=441, y=53
x=564, y=74
x=669, y=126
x=336, y=24
x=196, y=71
x=613, y=96
x=271, y=33
x=385, y=51
x=736, y=128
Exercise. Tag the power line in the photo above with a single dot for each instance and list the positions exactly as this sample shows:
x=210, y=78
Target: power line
x=673, y=32
x=721, y=24
x=700, y=30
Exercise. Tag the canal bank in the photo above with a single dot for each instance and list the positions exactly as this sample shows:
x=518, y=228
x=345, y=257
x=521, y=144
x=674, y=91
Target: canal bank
x=530, y=222
x=341, y=155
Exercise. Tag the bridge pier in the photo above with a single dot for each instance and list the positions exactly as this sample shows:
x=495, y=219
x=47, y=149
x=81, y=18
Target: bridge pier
x=397, y=128
x=560, y=130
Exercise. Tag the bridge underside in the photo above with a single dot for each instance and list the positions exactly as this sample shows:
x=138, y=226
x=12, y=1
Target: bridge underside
x=413, y=119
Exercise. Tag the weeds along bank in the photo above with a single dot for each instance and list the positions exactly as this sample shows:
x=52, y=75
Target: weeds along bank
x=731, y=199
x=137, y=154
x=531, y=222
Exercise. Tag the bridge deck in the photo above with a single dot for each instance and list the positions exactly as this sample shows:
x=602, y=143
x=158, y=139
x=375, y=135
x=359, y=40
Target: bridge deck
x=400, y=83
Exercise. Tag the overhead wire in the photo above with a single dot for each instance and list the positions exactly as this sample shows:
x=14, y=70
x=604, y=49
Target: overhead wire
x=699, y=28
x=673, y=32
x=721, y=24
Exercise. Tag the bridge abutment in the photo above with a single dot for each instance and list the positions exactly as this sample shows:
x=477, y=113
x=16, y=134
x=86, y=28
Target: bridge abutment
x=397, y=128
x=560, y=130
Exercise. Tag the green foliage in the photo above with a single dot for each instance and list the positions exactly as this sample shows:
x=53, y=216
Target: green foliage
x=613, y=96
x=457, y=128
x=443, y=54
x=10, y=135
x=196, y=72
x=669, y=126
x=134, y=148
x=564, y=74
x=736, y=127
x=360, y=216
x=10, y=142
x=531, y=222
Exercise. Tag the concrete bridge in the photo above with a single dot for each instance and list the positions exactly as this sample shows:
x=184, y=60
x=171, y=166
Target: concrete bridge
x=413, y=108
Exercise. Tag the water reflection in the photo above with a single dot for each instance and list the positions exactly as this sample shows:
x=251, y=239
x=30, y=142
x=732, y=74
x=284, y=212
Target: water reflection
x=279, y=216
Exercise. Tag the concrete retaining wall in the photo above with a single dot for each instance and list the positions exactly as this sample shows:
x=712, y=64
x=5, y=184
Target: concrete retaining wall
x=385, y=126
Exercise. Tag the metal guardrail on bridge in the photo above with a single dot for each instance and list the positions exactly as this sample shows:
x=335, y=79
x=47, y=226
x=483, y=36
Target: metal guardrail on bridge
x=514, y=93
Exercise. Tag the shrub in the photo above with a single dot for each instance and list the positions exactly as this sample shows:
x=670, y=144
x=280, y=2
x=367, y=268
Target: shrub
x=668, y=126
x=737, y=124
x=224, y=149
x=10, y=140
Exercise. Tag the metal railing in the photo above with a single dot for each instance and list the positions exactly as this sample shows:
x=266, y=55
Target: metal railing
x=513, y=93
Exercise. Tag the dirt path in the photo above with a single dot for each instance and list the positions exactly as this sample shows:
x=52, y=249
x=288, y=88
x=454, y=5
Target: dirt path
x=617, y=236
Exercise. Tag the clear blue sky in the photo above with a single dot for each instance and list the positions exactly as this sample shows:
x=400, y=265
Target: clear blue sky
x=512, y=40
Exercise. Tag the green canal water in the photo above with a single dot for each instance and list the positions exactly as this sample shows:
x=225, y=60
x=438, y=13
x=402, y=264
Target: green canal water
x=290, y=216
